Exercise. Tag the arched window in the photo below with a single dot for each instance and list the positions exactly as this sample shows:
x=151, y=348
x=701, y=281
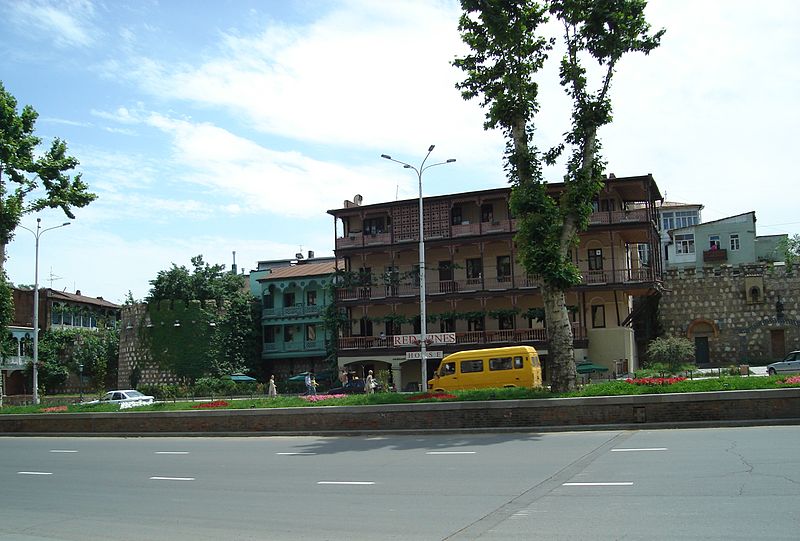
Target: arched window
x=755, y=294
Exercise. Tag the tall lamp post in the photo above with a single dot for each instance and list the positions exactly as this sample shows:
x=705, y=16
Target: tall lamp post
x=38, y=233
x=423, y=326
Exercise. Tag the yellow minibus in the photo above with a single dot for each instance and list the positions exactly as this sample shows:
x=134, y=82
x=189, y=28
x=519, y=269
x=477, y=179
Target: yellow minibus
x=515, y=366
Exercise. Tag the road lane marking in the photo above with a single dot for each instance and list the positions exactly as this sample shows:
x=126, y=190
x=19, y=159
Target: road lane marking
x=172, y=452
x=34, y=473
x=624, y=484
x=62, y=451
x=640, y=449
x=298, y=453
x=450, y=452
x=172, y=478
x=345, y=482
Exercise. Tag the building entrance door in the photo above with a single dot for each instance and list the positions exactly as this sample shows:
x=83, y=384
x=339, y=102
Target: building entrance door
x=701, y=349
x=778, y=341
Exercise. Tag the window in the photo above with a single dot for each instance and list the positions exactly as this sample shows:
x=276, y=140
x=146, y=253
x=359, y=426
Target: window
x=598, y=316
x=500, y=363
x=447, y=369
x=311, y=298
x=644, y=254
x=596, y=259
x=680, y=218
x=734, y=242
x=475, y=324
x=474, y=270
x=288, y=299
x=668, y=220
x=487, y=212
x=684, y=244
x=365, y=275
x=471, y=366
x=505, y=322
x=288, y=333
x=311, y=333
x=607, y=205
x=56, y=314
x=445, y=271
x=713, y=242
x=518, y=362
x=269, y=335
x=503, y=268
x=447, y=325
x=374, y=226
x=456, y=216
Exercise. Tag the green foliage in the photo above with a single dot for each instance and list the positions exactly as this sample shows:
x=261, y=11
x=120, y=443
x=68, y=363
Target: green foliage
x=46, y=175
x=790, y=248
x=671, y=351
x=203, y=282
x=180, y=336
x=234, y=342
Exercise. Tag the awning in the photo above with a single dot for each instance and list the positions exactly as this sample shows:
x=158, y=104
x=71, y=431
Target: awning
x=241, y=377
x=589, y=368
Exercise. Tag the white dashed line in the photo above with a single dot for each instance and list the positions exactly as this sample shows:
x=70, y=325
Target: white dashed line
x=172, y=452
x=173, y=478
x=34, y=473
x=62, y=451
x=291, y=454
x=625, y=484
x=450, y=452
x=345, y=482
x=641, y=449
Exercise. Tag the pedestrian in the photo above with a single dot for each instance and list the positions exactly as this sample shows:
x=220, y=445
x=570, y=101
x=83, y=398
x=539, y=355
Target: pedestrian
x=311, y=384
x=343, y=379
x=369, y=384
x=272, y=391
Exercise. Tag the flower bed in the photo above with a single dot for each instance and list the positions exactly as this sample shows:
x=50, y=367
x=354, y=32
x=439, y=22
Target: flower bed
x=793, y=380
x=654, y=381
x=214, y=404
x=318, y=397
x=53, y=409
x=428, y=396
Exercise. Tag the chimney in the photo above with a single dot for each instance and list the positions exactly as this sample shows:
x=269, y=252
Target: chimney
x=311, y=254
x=77, y=291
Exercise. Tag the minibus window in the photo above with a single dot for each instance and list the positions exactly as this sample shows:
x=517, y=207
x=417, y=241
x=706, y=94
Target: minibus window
x=500, y=363
x=447, y=369
x=517, y=362
x=471, y=366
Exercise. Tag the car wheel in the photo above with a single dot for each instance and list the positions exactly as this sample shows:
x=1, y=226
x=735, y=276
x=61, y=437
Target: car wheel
x=771, y=372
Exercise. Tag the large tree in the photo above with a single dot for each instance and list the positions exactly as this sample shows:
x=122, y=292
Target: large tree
x=509, y=47
x=31, y=182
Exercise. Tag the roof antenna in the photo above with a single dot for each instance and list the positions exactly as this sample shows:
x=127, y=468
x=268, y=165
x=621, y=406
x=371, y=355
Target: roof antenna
x=233, y=267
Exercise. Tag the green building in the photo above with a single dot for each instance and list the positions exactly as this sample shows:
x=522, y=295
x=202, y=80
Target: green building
x=294, y=295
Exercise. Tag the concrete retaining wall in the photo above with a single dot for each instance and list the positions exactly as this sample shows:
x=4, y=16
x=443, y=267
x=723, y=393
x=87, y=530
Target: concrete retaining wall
x=732, y=407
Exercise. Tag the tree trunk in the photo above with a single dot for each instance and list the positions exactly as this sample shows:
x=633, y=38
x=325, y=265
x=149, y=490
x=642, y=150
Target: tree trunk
x=560, y=355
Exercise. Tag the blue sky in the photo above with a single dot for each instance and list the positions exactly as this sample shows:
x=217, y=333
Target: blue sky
x=208, y=127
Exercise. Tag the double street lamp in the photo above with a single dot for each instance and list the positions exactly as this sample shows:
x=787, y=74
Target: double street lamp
x=422, y=316
x=38, y=233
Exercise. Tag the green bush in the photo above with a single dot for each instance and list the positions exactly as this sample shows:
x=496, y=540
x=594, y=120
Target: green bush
x=671, y=352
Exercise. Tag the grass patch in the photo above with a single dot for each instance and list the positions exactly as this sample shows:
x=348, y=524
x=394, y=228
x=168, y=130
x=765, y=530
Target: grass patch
x=606, y=388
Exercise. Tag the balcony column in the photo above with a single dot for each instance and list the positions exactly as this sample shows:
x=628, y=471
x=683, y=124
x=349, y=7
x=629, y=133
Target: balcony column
x=613, y=258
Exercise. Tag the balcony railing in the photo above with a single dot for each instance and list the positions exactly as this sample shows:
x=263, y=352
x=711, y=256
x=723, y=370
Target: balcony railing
x=357, y=239
x=498, y=283
x=15, y=362
x=495, y=337
x=299, y=345
x=715, y=256
x=291, y=311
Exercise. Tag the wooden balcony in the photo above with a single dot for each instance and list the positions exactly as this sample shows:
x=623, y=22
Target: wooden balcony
x=498, y=283
x=618, y=217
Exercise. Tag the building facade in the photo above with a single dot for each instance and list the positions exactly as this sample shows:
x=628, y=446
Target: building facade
x=478, y=294
x=294, y=298
x=57, y=309
x=728, y=241
x=674, y=215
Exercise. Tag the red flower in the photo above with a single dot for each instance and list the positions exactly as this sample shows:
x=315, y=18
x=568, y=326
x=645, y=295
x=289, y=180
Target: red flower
x=54, y=408
x=654, y=381
x=438, y=396
x=214, y=404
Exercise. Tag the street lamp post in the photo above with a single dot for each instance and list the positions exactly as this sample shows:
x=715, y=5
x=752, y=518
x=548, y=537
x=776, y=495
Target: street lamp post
x=423, y=327
x=38, y=233
x=80, y=379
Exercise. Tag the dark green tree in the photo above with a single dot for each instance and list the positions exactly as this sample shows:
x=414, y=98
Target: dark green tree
x=203, y=282
x=31, y=182
x=509, y=47
x=234, y=342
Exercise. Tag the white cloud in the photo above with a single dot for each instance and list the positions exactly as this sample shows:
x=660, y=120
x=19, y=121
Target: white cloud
x=67, y=23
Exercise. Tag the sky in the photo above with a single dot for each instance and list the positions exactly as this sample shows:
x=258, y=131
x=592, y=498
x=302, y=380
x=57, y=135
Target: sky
x=208, y=127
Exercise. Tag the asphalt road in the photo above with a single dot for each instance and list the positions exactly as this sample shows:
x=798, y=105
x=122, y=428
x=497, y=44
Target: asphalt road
x=724, y=483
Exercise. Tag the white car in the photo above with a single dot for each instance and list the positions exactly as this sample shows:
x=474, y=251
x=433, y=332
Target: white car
x=128, y=397
x=789, y=365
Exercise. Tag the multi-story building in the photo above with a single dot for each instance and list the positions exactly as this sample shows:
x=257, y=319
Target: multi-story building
x=728, y=241
x=674, y=215
x=478, y=294
x=294, y=295
x=57, y=309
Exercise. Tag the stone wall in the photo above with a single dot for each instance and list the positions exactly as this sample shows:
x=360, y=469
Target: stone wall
x=735, y=308
x=134, y=352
